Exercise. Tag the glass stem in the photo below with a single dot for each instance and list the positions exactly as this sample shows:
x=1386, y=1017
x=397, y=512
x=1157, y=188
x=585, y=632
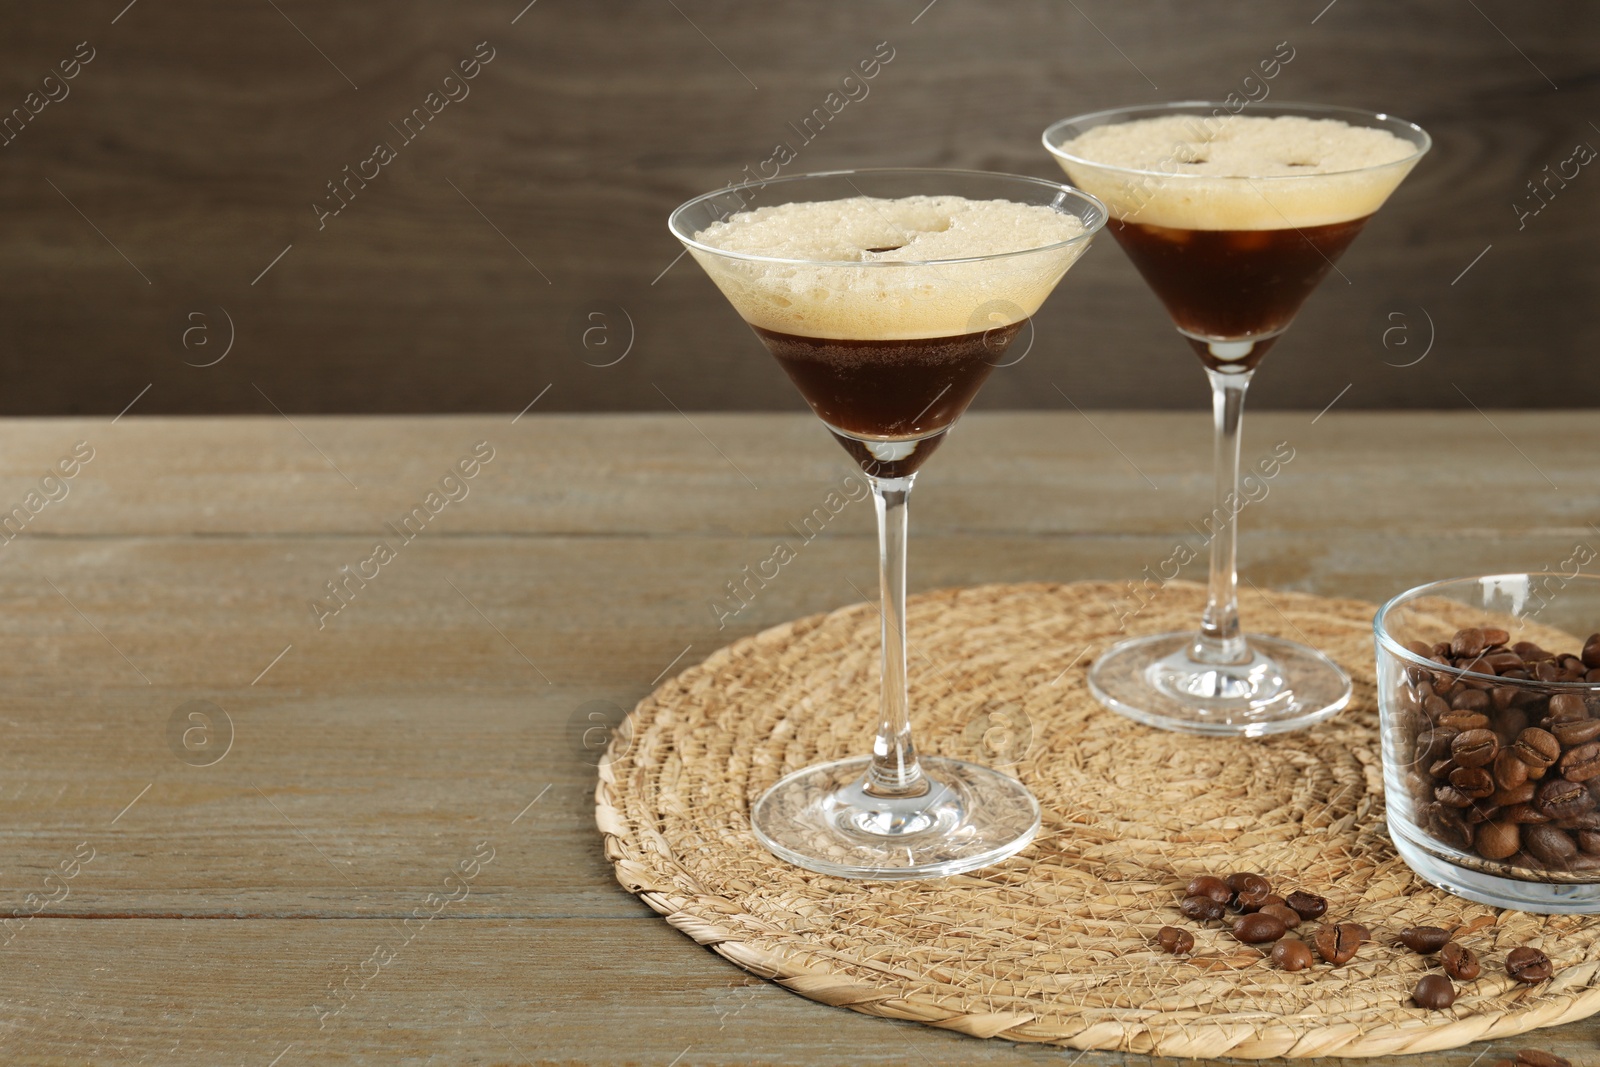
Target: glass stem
x=894, y=771
x=1219, y=642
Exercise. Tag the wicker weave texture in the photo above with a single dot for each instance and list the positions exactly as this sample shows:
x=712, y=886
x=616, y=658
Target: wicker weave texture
x=1056, y=944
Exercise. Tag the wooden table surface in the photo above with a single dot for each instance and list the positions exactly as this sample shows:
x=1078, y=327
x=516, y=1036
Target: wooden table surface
x=218, y=816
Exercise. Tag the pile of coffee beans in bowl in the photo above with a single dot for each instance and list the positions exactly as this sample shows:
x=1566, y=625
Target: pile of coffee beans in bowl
x=1504, y=749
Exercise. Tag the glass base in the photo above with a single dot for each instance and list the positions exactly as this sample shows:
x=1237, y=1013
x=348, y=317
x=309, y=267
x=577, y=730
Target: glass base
x=823, y=819
x=1546, y=898
x=1284, y=686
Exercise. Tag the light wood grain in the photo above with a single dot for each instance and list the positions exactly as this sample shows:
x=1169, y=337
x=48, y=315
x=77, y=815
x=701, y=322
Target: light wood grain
x=378, y=752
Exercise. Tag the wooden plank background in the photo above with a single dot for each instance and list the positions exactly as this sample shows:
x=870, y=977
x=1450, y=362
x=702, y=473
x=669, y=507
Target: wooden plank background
x=367, y=758
x=144, y=209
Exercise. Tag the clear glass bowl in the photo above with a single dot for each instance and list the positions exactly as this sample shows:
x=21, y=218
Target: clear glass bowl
x=1532, y=844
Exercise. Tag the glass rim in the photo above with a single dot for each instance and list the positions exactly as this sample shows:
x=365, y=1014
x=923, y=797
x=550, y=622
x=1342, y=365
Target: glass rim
x=1091, y=227
x=1292, y=107
x=1380, y=630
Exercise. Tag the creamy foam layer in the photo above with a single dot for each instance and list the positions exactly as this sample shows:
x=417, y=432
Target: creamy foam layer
x=1238, y=172
x=839, y=295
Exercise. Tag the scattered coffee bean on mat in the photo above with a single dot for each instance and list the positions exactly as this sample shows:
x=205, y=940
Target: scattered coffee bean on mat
x=1338, y=943
x=1250, y=891
x=1528, y=965
x=1268, y=901
x=1291, y=954
x=1283, y=913
x=1201, y=909
x=1257, y=927
x=1307, y=905
x=1460, y=962
x=1434, y=991
x=1424, y=939
x=1175, y=940
x=1208, y=885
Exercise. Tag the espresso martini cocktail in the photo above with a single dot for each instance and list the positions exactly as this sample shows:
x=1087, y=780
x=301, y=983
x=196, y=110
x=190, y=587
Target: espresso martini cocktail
x=889, y=313
x=888, y=297
x=1233, y=220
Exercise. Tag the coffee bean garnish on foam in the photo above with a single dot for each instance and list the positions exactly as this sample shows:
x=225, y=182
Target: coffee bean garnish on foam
x=1510, y=773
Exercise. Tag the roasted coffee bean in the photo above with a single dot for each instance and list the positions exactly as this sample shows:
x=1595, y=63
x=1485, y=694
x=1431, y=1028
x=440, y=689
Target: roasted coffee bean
x=1494, y=637
x=1528, y=965
x=1261, y=905
x=1577, y=732
x=1249, y=890
x=1258, y=927
x=1435, y=707
x=1509, y=771
x=1201, y=909
x=1362, y=934
x=1434, y=744
x=1474, y=748
x=1460, y=962
x=1424, y=939
x=1210, y=886
x=1503, y=661
x=1510, y=723
x=1533, y=1057
x=1471, y=700
x=1582, y=763
x=1589, y=841
x=1547, y=671
x=1283, y=913
x=1561, y=799
x=1525, y=814
x=1468, y=642
x=1566, y=707
x=1589, y=820
x=1448, y=825
x=1338, y=944
x=1505, y=798
x=1175, y=940
x=1455, y=798
x=1591, y=651
x=1442, y=768
x=1434, y=991
x=1474, y=782
x=1529, y=651
x=1307, y=905
x=1498, y=840
x=1291, y=954
x=1546, y=843
x=1501, y=696
x=1535, y=747
x=1482, y=811
x=1466, y=720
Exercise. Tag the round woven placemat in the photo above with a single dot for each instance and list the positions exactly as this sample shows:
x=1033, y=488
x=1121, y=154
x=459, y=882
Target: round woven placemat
x=1055, y=945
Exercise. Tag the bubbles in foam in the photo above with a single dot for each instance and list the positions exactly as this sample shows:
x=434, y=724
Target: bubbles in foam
x=1238, y=172
x=877, y=268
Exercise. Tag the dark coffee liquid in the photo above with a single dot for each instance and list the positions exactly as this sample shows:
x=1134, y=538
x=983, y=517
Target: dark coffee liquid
x=889, y=391
x=1234, y=283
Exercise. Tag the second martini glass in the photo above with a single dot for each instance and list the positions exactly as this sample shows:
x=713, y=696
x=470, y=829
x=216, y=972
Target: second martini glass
x=888, y=296
x=1233, y=221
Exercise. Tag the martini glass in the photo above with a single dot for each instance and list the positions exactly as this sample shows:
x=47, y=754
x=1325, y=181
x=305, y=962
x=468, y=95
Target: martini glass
x=889, y=343
x=1232, y=251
